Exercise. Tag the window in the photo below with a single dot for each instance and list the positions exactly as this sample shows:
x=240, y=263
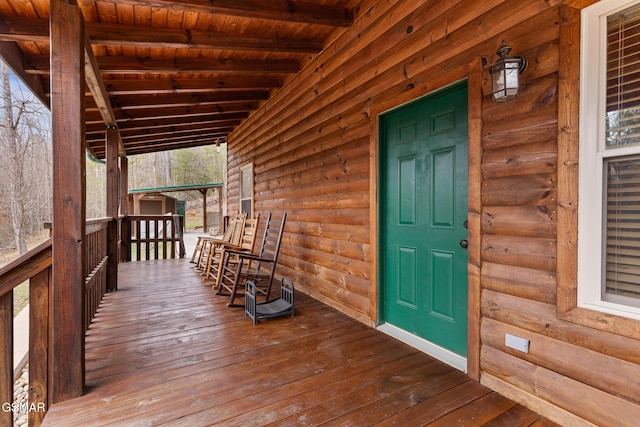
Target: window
x=609, y=183
x=246, y=190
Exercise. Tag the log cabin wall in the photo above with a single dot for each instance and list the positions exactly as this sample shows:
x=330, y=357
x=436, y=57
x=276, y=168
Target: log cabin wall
x=314, y=151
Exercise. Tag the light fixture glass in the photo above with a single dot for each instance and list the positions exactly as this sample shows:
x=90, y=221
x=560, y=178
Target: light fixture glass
x=505, y=74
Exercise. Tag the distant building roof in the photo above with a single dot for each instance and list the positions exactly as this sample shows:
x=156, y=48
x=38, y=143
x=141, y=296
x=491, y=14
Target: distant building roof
x=176, y=188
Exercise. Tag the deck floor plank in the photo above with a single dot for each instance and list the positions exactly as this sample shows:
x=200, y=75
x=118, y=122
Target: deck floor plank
x=165, y=350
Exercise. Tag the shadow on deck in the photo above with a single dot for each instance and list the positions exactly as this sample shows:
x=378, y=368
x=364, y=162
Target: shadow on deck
x=165, y=350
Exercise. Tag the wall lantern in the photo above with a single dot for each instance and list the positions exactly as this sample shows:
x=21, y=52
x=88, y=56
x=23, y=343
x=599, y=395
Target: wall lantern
x=505, y=74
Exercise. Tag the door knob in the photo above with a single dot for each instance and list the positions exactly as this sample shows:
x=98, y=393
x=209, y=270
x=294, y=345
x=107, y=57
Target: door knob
x=464, y=243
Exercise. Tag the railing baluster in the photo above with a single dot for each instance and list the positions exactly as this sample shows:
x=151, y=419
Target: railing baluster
x=138, y=239
x=156, y=238
x=173, y=236
x=165, y=224
x=147, y=249
x=39, y=313
x=6, y=358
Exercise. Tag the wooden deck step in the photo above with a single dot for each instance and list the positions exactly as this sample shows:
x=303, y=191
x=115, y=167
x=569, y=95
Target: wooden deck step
x=165, y=350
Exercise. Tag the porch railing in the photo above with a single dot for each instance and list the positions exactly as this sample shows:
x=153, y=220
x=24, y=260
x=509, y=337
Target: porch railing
x=35, y=267
x=146, y=237
x=95, y=262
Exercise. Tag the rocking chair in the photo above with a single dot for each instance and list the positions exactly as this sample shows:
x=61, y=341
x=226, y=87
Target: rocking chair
x=214, y=263
x=239, y=267
x=210, y=246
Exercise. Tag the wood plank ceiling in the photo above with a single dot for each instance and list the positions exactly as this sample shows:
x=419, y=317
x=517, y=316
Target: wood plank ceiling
x=175, y=74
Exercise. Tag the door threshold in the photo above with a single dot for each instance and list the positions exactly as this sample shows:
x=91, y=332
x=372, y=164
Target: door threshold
x=440, y=353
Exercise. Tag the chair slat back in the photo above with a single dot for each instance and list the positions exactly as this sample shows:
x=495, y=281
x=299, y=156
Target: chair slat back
x=250, y=233
x=236, y=229
x=272, y=239
x=227, y=233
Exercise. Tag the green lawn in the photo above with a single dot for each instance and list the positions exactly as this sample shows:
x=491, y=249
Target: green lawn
x=20, y=297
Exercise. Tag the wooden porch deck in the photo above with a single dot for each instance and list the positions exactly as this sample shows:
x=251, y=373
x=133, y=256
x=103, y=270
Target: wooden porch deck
x=165, y=350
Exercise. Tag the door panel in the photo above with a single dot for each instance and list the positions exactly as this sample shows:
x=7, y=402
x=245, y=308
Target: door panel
x=407, y=190
x=443, y=274
x=423, y=209
x=406, y=281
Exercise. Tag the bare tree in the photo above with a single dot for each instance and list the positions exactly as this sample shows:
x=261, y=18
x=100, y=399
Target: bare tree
x=23, y=165
x=96, y=189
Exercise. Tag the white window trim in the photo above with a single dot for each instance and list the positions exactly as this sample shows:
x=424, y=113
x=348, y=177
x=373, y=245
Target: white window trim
x=591, y=181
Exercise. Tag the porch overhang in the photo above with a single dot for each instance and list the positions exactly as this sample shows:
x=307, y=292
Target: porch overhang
x=169, y=75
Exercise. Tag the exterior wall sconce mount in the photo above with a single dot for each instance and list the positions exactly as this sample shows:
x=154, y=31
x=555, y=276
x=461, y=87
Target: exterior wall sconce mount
x=505, y=74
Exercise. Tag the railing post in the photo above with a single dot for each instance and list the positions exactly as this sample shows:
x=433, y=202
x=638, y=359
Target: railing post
x=125, y=224
x=6, y=356
x=125, y=239
x=111, y=143
x=112, y=254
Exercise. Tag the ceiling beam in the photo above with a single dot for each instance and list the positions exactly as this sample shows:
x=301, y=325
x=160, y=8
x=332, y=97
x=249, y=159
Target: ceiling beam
x=295, y=11
x=141, y=125
x=163, y=113
x=170, y=146
x=99, y=92
x=39, y=64
x=180, y=99
x=172, y=132
x=131, y=35
x=177, y=85
x=183, y=138
x=175, y=130
x=142, y=149
x=37, y=30
x=166, y=144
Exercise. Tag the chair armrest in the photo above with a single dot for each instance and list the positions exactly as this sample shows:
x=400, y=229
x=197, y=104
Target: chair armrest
x=249, y=256
x=236, y=252
x=214, y=241
x=228, y=247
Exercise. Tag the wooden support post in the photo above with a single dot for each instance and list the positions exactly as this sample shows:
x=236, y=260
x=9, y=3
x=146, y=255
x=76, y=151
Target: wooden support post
x=113, y=136
x=69, y=199
x=220, y=213
x=125, y=226
x=204, y=209
x=124, y=186
x=136, y=203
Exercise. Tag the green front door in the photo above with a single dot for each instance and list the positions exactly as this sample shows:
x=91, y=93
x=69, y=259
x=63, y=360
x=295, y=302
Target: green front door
x=423, y=218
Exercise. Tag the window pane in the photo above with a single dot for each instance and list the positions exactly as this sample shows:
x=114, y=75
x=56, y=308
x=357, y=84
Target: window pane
x=623, y=79
x=623, y=228
x=245, y=183
x=245, y=206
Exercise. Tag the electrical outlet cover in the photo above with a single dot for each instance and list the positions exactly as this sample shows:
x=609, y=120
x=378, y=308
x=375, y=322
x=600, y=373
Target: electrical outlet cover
x=517, y=343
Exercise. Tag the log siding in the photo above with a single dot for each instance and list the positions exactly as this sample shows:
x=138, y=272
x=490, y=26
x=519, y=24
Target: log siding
x=314, y=149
